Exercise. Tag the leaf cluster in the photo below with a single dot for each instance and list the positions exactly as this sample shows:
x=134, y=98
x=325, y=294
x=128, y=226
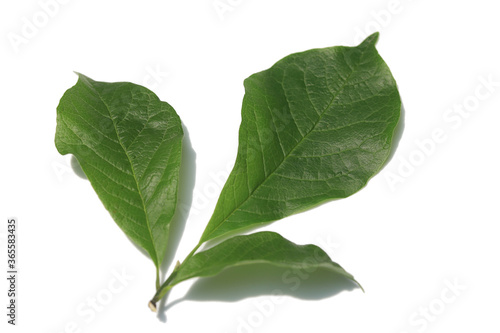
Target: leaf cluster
x=316, y=126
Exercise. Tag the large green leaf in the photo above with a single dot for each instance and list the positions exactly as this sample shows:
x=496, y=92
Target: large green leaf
x=261, y=247
x=128, y=143
x=315, y=126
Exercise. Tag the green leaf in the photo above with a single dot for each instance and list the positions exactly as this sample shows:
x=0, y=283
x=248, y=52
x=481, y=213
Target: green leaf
x=261, y=247
x=316, y=126
x=128, y=143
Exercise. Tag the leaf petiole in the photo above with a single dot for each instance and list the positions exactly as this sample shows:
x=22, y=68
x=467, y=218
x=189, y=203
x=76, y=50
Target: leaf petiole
x=162, y=290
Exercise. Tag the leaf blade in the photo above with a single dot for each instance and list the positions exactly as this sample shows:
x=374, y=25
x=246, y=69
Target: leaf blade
x=307, y=135
x=261, y=247
x=129, y=144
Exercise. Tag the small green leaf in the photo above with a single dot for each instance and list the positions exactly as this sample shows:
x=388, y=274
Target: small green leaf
x=261, y=247
x=258, y=248
x=128, y=143
x=316, y=126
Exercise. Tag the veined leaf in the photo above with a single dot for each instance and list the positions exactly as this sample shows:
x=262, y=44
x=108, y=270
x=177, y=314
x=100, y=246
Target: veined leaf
x=315, y=126
x=128, y=143
x=261, y=247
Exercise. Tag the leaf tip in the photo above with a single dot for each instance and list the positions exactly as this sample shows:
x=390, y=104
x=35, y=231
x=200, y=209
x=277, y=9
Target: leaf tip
x=370, y=40
x=152, y=306
x=82, y=77
x=358, y=284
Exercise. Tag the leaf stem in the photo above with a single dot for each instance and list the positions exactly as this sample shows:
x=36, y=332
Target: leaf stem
x=165, y=287
x=193, y=251
x=157, y=278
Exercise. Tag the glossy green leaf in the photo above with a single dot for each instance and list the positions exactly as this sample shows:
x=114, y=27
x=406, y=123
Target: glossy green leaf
x=128, y=143
x=316, y=126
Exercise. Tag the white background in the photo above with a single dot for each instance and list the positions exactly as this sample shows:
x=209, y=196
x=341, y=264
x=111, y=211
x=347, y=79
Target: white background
x=427, y=221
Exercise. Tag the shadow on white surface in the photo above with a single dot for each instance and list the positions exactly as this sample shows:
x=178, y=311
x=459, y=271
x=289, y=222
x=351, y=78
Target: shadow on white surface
x=398, y=134
x=77, y=169
x=238, y=283
x=187, y=180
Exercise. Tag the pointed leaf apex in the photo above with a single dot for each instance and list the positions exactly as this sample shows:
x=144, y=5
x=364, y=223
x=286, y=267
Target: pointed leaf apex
x=370, y=40
x=79, y=74
x=85, y=79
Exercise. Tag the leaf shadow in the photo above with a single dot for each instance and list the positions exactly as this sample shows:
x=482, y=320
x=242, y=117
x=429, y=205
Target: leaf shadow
x=398, y=134
x=77, y=169
x=241, y=282
x=187, y=177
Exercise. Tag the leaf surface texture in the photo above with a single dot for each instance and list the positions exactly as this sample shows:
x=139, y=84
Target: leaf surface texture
x=129, y=145
x=316, y=126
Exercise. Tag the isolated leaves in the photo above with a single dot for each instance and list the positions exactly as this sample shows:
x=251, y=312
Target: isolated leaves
x=315, y=126
x=261, y=247
x=128, y=143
